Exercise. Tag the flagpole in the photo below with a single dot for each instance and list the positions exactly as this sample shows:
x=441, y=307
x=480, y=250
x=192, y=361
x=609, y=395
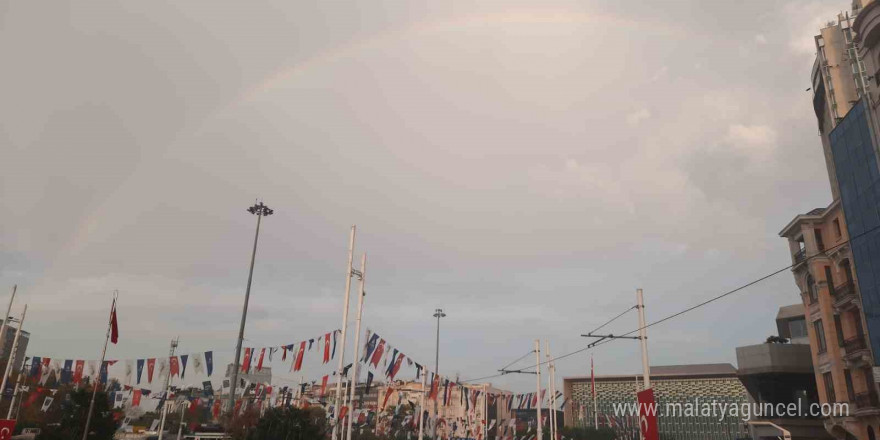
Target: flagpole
x=100, y=366
x=538, y=371
x=348, y=275
x=8, y=311
x=357, y=344
x=593, y=381
x=174, y=343
x=12, y=354
x=551, y=372
x=15, y=392
x=422, y=407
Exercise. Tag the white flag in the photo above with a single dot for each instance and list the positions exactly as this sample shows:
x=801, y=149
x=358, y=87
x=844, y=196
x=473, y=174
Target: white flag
x=47, y=402
x=93, y=369
x=163, y=366
x=129, y=369
x=198, y=363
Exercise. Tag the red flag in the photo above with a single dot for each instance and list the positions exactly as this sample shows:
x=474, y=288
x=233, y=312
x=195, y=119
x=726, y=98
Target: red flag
x=193, y=405
x=397, y=364
x=246, y=361
x=435, y=387
x=114, y=326
x=299, y=357
x=327, y=349
x=6, y=428
x=215, y=411
x=260, y=362
x=388, y=392
x=136, y=398
x=78, y=371
x=648, y=415
x=343, y=412
x=377, y=354
x=324, y=384
x=151, y=364
x=174, y=366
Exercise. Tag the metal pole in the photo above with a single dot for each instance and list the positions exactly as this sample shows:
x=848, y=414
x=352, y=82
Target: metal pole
x=357, y=345
x=593, y=386
x=422, y=407
x=486, y=412
x=100, y=367
x=167, y=390
x=551, y=370
x=344, y=328
x=180, y=428
x=244, y=310
x=438, y=313
x=6, y=316
x=15, y=392
x=12, y=353
x=643, y=336
x=538, y=371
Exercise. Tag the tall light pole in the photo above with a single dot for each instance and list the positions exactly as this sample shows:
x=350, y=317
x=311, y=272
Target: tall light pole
x=260, y=210
x=438, y=313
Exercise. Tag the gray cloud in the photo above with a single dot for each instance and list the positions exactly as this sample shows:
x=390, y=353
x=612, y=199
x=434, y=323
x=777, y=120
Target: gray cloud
x=526, y=168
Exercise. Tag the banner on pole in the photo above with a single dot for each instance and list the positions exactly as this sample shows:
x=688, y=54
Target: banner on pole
x=648, y=415
x=6, y=428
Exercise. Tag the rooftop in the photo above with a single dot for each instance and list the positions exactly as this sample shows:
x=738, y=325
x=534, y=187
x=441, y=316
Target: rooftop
x=670, y=371
x=792, y=311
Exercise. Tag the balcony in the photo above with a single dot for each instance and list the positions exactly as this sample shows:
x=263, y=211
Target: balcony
x=857, y=354
x=845, y=296
x=800, y=256
x=867, y=401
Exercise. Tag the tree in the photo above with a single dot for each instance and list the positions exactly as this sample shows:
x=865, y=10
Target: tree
x=290, y=424
x=68, y=418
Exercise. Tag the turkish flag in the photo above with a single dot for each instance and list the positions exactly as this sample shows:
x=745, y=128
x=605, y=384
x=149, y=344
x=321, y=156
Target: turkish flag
x=6, y=428
x=78, y=371
x=648, y=415
x=114, y=325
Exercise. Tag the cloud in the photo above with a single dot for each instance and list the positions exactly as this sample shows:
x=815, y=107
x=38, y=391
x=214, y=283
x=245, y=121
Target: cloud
x=760, y=39
x=638, y=116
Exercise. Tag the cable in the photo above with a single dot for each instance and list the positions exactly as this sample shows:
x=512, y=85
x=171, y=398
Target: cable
x=716, y=298
x=612, y=319
x=519, y=359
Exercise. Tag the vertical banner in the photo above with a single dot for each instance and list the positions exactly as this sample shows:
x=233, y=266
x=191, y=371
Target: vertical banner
x=6, y=429
x=209, y=361
x=648, y=415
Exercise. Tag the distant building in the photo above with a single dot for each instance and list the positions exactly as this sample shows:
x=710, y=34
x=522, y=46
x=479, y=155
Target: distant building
x=673, y=385
x=6, y=346
x=782, y=374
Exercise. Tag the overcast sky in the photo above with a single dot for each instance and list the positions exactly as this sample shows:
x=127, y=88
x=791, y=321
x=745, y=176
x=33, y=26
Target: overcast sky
x=523, y=167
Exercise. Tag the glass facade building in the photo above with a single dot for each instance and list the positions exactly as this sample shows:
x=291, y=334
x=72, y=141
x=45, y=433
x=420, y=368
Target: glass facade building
x=858, y=175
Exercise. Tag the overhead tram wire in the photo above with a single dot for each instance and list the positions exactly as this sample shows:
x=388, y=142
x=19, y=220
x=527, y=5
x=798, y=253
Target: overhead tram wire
x=612, y=319
x=716, y=298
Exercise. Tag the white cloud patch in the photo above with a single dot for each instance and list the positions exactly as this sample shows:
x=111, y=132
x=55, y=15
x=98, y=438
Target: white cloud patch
x=760, y=39
x=638, y=116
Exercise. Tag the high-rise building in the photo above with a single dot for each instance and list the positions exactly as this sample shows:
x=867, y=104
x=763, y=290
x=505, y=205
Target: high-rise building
x=6, y=347
x=831, y=256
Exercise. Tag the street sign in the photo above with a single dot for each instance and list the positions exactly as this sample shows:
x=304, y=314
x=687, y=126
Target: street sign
x=648, y=415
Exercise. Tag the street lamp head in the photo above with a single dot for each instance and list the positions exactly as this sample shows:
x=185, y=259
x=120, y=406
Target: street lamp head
x=260, y=209
x=438, y=313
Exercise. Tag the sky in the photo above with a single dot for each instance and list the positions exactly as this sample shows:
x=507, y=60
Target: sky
x=523, y=166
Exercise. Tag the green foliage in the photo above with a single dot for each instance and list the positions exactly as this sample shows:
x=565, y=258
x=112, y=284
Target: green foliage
x=290, y=424
x=69, y=417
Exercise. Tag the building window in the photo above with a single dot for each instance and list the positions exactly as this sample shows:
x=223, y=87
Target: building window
x=850, y=391
x=820, y=245
x=836, y=224
x=811, y=289
x=829, y=387
x=829, y=279
x=838, y=327
x=820, y=335
x=797, y=328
